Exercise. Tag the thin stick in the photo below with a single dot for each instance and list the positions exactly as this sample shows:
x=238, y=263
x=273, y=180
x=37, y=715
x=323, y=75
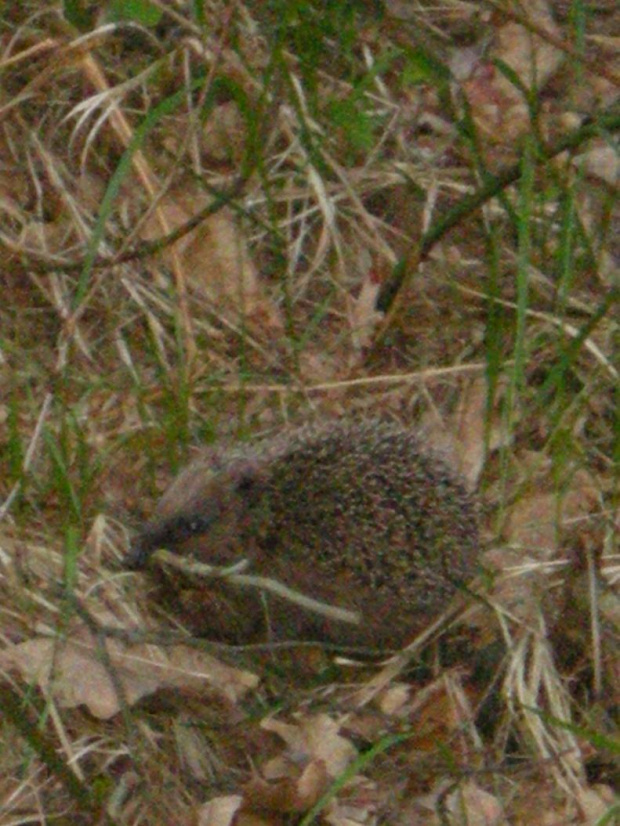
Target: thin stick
x=203, y=570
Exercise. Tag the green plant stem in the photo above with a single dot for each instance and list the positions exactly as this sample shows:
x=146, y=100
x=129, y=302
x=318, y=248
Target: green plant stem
x=470, y=203
x=12, y=708
x=353, y=769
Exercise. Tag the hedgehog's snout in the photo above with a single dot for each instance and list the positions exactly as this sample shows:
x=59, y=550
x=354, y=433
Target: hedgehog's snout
x=137, y=556
x=171, y=532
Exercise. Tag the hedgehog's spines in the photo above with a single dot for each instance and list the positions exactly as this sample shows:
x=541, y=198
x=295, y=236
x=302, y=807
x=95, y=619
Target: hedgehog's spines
x=355, y=502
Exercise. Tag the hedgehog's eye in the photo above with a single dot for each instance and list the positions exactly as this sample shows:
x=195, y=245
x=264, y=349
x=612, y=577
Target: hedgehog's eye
x=188, y=526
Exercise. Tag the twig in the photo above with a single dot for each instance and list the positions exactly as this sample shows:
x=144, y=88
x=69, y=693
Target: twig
x=471, y=203
x=201, y=569
x=32, y=260
x=167, y=638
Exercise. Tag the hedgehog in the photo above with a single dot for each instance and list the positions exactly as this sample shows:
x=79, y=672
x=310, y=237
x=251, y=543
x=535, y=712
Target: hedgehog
x=358, y=514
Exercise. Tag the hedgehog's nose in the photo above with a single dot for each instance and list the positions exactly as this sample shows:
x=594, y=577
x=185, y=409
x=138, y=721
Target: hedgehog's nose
x=137, y=556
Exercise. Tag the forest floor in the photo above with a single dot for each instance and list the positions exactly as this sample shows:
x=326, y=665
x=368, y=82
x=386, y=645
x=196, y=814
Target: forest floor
x=221, y=218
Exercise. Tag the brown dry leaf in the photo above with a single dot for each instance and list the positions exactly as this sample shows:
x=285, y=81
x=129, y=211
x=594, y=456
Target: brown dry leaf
x=441, y=712
x=596, y=802
x=227, y=811
x=468, y=805
x=394, y=698
x=529, y=56
x=295, y=793
x=73, y=671
x=461, y=439
x=343, y=816
x=224, y=134
x=517, y=593
x=534, y=519
x=469, y=419
x=357, y=804
x=314, y=755
x=220, y=811
x=472, y=806
x=532, y=537
x=77, y=679
x=602, y=161
x=532, y=524
x=315, y=738
x=588, y=807
x=363, y=315
x=497, y=105
x=255, y=819
x=214, y=257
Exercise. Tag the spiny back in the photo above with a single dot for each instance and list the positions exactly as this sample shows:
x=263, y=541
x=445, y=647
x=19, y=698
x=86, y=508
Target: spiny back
x=359, y=512
x=367, y=496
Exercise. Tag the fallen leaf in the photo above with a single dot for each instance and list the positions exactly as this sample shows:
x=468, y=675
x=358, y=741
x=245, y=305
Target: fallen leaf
x=215, y=258
x=460, y=439
x=75, y=673
x=224, y=134
x=364, y=317
x=496, y=103
x=297, y=792
x=531, y=57
x=394, y=698
x=534, y=520
x=220, y=811
x=472, y=806
x=316, y=738
x=314, y=754
x=601, y=161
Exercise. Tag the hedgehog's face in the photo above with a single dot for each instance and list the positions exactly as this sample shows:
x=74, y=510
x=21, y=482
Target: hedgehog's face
x=176, y=533
x=202, y=514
